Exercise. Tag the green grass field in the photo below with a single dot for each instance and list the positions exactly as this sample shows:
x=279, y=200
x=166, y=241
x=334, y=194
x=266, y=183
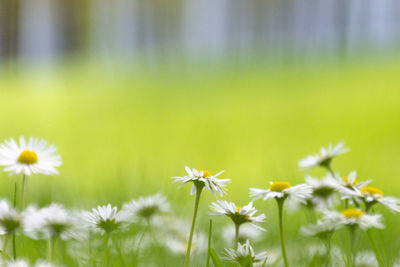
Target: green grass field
x=124, y=132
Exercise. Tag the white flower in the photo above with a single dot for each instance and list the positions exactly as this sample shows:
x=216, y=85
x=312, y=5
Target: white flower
x=325, y=156
x=10, y=219
x=41, y=263
x=201, y=178
x=323, y=191
x=372, y=195
x=245, y=255
x=366, y=259
x=29, y=157
x=145, y=208
x=354, y=217
x=176, y=237
x=279, y=190
x=104, y=219
x=322, y=229
x=17, y=263
x=237, y=214
x=349, y=187
x=247, y=232
x=51, y=222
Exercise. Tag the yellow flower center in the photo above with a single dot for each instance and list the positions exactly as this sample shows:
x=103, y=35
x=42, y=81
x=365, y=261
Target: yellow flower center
x=238, y=209
x=205, y=173
x=28, y=157
x=346, y=180
x=352, y=213
x=279, y=186
x=369, y=190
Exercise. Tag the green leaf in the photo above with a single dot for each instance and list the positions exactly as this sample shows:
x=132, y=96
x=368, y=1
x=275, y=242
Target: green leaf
x=215, y=258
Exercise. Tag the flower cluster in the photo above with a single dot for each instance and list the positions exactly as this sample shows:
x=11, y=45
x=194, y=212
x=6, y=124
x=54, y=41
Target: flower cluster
x=336, y=203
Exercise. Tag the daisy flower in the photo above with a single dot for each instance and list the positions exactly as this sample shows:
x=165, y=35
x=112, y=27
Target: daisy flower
x=349, y=187
x=322, y=229
x=325, y=156
x=280, y=191
x=145, y=208
x=51, y=222
x=372, y=195
x=201, y=179
x=245, y=255
x=10, y=219
x=283, y=190
x=354, y=217
x=238, y=215
x=104, y=219
x=29, y=157
x=323, y=192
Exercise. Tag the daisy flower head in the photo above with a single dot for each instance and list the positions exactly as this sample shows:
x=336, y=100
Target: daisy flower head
x=323, y=191
x=49, y=222
x=349, y=187
x=354, y=217
x=238, y=215
x=201, y=179
x=283, y=190
x=324, y=157
x=372, y=195
x=10, y=219
x=104, y=219
x=245, y=255
x=145, y=208
x=29, y=157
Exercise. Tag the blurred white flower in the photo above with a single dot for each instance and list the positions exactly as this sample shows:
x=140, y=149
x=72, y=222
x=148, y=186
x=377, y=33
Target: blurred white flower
x=247, y=232
x=10, y=219
x=51, y=222
x=354, y=217
x=279, y=190
x=104, y=219
x=29, y=157
x=17, y=263
x=145, y=208
x=238, y=215
x=323, y=229
x=202, y=178
x=176, y=237
x=245, y=255
x=325, y=156
x=366, y=259
x=372, y=195
x=349, y=187
x=323, y=192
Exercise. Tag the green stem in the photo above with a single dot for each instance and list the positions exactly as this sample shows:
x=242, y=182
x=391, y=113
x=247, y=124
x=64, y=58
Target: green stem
x=49, y=249
x=209, y=245
x=23, y=191
x=196, y=206
x=106, y=237
x=237, y=235
x=14, y=242
x=280, y=208
x=328, y=250
x=351, y=255
x=328, y=167
x=375, y=247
